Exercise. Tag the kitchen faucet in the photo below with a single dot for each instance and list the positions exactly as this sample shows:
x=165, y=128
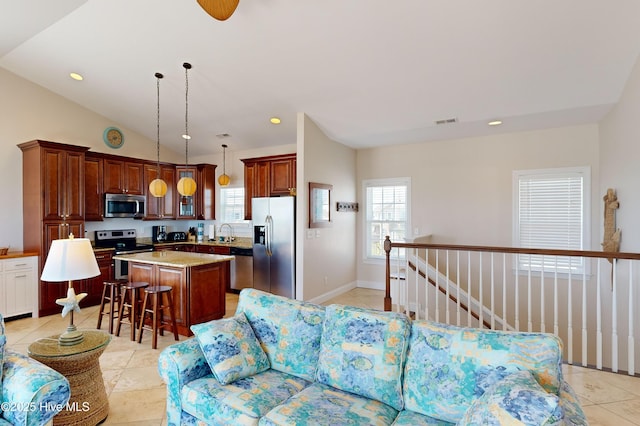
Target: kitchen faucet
x=229, y=237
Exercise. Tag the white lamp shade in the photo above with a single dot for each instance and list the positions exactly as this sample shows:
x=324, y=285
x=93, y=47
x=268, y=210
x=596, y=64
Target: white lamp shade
x=69, y=260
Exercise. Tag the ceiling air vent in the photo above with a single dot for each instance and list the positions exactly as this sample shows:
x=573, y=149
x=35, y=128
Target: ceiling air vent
x=223, y=135
x=447, y=121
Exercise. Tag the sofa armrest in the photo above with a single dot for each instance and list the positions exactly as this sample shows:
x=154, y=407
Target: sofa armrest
x=179, y=364
x=573, y=414
x=34, y=393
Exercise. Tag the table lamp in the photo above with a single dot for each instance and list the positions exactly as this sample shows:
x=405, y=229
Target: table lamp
x=68, y=260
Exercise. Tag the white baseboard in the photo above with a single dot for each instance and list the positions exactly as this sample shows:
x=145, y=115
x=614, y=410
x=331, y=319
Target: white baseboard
x=373, y=285
x=333, y=293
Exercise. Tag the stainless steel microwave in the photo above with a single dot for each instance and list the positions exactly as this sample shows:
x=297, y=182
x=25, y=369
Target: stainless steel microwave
x=124, y=205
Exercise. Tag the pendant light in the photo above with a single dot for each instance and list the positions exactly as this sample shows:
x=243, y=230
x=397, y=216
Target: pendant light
x=158, y=187
x=224, y=179
x=186, y=185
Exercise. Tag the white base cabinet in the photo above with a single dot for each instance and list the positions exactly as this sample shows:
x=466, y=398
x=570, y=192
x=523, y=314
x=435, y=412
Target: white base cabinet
x=19, y=286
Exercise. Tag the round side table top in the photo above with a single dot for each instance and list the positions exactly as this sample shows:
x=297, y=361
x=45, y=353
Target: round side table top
x=48, y=347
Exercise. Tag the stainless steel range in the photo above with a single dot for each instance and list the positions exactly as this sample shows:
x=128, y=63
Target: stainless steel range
x=123, y=241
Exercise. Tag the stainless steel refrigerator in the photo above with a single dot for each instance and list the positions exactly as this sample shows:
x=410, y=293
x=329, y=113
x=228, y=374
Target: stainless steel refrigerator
x=274, y=254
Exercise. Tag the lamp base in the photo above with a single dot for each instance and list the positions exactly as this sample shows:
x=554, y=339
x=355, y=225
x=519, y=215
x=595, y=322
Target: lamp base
x=70, y=337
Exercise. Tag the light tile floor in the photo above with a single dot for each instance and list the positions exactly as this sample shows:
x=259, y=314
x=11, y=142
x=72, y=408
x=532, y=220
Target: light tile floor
x=137, y=394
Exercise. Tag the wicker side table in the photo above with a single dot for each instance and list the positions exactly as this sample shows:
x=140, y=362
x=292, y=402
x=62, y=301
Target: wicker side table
x=80, y=364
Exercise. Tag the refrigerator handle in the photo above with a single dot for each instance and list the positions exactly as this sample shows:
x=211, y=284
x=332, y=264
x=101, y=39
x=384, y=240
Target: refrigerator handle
x=268, y=234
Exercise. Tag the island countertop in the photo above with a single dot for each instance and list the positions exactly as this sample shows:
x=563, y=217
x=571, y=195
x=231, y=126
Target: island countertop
x=178, y=259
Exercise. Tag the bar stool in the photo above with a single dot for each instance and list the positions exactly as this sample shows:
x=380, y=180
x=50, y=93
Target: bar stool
x=111, y=294
x=131, y=300
x=153, y=296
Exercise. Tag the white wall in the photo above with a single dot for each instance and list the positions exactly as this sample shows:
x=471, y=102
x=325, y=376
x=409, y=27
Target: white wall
x=619, y=160
x=326, y=263
x=29, y=111
x=461, y=189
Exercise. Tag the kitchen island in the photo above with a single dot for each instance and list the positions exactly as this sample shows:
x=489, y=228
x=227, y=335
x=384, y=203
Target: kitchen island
x=198, y=280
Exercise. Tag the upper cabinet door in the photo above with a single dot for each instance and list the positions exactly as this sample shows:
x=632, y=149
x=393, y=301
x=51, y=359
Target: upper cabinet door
x=125, y=177
x=93, y=195
x=63, y=181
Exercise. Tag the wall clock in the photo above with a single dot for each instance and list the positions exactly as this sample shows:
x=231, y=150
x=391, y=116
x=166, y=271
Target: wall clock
x=113, y=137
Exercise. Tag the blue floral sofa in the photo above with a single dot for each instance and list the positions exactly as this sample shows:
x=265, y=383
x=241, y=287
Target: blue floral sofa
x=30, y=392
x=285, y=362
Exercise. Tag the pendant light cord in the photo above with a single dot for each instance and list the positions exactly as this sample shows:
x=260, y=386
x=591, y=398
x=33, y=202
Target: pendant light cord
x=158, y=77
x=186, y=66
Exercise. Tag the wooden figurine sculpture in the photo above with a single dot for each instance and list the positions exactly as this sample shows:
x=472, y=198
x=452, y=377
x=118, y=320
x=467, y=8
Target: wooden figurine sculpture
x=611, y=234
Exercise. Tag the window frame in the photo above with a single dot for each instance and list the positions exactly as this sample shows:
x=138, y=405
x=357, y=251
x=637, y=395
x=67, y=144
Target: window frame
x=372, y=183
x=223, y=208
x=521, y=264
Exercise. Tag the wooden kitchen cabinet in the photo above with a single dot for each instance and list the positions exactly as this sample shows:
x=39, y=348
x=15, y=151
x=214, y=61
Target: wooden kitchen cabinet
x=202, y=204
x=123, y=175
x=19, y=286
x=162, y=207
x=93, y=183
x=53, y=197
x=206, y=192
x=94, y=286
x=268, y=177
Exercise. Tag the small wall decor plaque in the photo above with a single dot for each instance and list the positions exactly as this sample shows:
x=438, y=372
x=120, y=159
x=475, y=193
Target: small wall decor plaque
x=345, y=206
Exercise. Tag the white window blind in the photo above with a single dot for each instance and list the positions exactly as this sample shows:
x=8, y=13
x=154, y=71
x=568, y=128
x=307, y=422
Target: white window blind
x=232, y=204
x=387, y=213
x=550, y=214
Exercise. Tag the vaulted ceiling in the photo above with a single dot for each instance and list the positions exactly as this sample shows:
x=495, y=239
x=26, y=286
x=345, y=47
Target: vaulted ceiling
x=368, y=72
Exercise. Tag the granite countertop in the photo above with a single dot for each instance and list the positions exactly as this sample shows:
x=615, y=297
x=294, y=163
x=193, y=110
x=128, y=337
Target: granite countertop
x=179, y=259
x=240, y=242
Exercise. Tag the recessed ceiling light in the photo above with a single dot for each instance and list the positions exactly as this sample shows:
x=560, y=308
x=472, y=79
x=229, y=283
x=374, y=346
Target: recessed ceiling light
x=76, y=76
x=495, y=123
x=274, y=120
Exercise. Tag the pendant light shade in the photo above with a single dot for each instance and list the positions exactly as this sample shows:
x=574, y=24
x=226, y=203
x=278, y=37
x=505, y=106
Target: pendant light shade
x=158, y=187
x=186, y=185
x=224, y=179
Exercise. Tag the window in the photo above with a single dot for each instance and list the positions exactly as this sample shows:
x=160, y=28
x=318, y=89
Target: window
x=232, y=205
x=551, y=212
x=387, y=213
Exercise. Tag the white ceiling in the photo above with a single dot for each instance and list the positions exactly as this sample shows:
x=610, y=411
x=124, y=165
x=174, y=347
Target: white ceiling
x=368, y=72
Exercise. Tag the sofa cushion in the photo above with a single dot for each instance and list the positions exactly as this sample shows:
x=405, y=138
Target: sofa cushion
x=289, y=330
x=231, y=348
x=319, y=404
x=448, y=367
x=362, y=351
x=515, y=400
x=411, y=418
x=241, y=402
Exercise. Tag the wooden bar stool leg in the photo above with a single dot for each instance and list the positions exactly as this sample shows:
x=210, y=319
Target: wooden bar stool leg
x=102, y=303
x=113, y=304
x=123, y=302
x=142, y=316
x=173, y=317
x=157, y=298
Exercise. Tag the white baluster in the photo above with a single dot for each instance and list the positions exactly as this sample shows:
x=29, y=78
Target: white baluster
x=458, y=288
x=630, y=339
x=542, y=301
x=556, y=325
x=598, y=319
x=529, y=309
x=481, y=298
x=569, y=319
x=437, y=286
x=493, y=308
x=517, y=295
x=614, y=319
x=584, y=312
x=469, y=306
x=447, y=289
x=504, y=291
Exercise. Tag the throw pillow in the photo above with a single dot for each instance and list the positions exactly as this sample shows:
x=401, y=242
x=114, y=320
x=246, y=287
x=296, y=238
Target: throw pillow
x=231, y=348
x=515, y=400
x=362, y=351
